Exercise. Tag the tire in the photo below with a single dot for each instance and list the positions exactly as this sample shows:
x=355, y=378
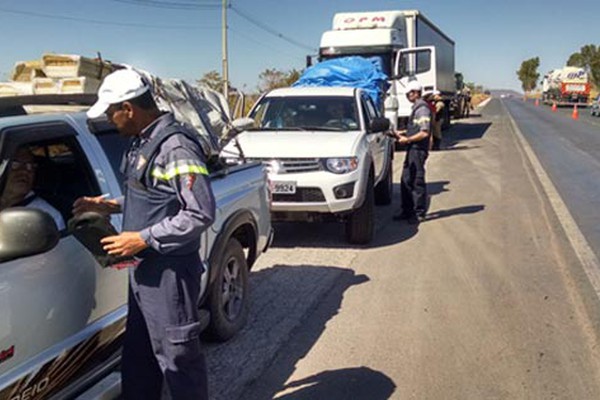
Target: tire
x=360, y=224
x=384, y=189
x=228, y=298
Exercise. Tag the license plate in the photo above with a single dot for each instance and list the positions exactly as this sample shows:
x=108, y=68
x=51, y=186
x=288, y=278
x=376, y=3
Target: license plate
x=284, y=187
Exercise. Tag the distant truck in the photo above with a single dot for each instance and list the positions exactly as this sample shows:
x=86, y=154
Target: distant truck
x=566, y=86
x=410, y=47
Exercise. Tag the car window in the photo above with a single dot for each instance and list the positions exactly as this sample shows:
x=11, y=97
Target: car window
x=49, y=175
x=306, y=112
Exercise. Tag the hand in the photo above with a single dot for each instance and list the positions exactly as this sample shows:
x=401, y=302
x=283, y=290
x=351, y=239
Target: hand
x=403, y=140
x=97, y=204
x=126, y=244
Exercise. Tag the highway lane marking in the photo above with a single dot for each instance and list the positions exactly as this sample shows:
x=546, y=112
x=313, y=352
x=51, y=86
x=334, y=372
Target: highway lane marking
x=580, y=245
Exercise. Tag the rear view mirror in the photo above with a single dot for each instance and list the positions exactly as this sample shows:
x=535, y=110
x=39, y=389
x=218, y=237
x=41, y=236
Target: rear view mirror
x=26, y=232
x=379, y=125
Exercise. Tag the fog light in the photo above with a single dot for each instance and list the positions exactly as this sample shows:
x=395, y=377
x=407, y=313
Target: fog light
x=344, y=191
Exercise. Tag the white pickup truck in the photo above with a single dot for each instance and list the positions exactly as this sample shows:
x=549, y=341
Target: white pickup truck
x=327, y=154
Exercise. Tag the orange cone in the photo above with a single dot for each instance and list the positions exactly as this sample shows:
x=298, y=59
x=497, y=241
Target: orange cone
x=554, y=108
x=575, y=114
x=537, y=102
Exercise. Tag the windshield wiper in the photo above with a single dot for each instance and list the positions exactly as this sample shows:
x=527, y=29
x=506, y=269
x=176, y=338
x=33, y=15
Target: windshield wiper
x=287, y=128
x=322, y=128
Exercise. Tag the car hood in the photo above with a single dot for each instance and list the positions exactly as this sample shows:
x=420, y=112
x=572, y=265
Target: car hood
x=295, y=144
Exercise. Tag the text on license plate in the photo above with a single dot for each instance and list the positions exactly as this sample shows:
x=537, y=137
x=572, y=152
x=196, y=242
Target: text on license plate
x=284, y=187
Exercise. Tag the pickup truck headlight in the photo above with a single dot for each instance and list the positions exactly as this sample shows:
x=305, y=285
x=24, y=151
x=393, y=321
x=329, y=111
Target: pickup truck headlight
x=341, y=165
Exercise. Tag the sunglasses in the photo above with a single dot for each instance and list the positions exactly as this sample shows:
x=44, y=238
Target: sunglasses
x=22, y=165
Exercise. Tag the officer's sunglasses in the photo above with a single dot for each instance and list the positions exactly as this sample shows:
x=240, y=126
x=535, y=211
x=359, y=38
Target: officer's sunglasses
x=112, y=109
x=22, y=166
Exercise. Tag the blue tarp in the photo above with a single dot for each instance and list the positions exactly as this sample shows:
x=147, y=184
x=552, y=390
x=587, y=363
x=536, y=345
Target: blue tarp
x=357, y=72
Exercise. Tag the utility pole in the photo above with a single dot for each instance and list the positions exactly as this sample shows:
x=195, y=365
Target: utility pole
x=225, y=62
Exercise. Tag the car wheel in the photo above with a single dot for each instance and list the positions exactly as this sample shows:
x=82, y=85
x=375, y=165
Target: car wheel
x=384, y=189
x=360, y=224
x=228, y=298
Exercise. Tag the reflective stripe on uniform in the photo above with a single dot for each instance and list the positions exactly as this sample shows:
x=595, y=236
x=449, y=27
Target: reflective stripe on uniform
x=180, y=167
x=418, y=121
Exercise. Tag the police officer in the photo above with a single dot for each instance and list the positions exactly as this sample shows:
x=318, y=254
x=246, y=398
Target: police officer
x=438, y=106
x=412, y=186
x=168, y=203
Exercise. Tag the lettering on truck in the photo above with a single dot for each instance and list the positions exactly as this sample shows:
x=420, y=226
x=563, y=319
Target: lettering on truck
x=31, y=392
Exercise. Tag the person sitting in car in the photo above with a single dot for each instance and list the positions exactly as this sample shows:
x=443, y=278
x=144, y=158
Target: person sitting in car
x=338, y=118
x=18, y=190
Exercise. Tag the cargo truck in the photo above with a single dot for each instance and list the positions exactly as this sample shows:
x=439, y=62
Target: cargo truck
x=566, y=86
x=410, y=47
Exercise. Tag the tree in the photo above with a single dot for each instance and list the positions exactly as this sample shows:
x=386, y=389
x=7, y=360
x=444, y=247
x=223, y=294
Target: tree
x=528, y=74
x=588, y=57
x=273, y=78
x=211, y=79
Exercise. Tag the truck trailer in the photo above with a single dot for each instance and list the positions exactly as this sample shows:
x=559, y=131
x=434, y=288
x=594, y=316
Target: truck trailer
x=410, y=47
x=566, y=86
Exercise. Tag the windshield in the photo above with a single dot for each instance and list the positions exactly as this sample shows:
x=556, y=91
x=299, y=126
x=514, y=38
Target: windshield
x=306, y=113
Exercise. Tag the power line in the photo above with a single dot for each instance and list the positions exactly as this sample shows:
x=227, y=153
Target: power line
x=174, y=5
x=100, y=22
x=258, y=42
x=268, y=29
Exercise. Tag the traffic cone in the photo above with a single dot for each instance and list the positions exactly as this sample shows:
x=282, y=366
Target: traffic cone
x=575, y=114
x=554, y=108
x=537, y=102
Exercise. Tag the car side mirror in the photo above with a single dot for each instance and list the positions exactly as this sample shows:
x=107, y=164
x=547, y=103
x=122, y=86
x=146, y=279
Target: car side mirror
x=242, y=124
x=379, y=125
x=26, y=232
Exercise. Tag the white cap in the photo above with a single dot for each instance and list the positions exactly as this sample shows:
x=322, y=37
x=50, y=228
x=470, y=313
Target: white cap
x=121, y=85
x=436, y=93
x=414, y=85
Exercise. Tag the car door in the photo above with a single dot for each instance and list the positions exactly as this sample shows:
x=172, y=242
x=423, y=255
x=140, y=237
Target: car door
x=376, y=139
x=62, y=314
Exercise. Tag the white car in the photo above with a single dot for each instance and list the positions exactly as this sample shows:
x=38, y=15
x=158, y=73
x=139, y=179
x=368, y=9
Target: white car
x=327, y=154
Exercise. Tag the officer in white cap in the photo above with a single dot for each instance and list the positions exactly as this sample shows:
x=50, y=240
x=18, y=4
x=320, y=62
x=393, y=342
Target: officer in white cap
x=412, y=186
x=168, y=203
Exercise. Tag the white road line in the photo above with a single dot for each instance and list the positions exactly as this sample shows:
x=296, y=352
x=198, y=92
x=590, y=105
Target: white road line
x=580, y=245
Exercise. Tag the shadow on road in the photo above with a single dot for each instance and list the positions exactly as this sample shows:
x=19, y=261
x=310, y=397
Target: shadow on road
x=460, y=132
x=351, y=383
x=282, y=300
x=454, y=211
x=437, y=187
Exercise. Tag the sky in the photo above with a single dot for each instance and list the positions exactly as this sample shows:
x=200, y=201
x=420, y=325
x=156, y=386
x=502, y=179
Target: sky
x=492, y=37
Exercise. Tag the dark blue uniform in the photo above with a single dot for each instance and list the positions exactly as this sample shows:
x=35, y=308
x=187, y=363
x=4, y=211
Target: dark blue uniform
x=412, y=186
x=168, y=200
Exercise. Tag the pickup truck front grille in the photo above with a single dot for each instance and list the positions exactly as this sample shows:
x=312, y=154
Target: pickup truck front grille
x=302, y=195
x=291, y=165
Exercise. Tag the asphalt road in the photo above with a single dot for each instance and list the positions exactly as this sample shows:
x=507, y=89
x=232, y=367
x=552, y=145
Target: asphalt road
x=484, y=300
x=569, y=151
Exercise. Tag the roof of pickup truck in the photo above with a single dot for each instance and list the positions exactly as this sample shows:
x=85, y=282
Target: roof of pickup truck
x=313, y=91
x=41, y=118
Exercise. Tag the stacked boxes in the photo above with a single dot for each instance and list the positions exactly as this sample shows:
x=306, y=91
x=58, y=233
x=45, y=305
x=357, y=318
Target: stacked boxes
x=55, y=74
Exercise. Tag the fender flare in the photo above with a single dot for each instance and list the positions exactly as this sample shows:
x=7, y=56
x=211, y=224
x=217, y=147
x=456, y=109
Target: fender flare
x=232, y=224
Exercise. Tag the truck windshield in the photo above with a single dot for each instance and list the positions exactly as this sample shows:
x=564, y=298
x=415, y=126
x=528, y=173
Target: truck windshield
x=306, y=113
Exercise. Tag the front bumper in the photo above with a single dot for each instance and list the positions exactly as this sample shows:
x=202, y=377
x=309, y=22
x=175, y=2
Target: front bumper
x=315, y=192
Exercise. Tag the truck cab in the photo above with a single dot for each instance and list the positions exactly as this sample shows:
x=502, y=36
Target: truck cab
x=409, y=46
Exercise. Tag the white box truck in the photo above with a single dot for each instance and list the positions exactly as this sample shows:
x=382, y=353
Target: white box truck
x=410, y=47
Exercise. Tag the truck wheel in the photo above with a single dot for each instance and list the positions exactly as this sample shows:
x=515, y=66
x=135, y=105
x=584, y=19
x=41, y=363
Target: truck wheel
x=359, y=227
x=384, y=189
x=228, y=298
